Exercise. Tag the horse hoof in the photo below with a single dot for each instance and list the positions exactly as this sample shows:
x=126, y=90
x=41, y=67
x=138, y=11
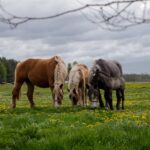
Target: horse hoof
x=13, y=106
x=94, y=105
x=32, y=106
x=117, y=108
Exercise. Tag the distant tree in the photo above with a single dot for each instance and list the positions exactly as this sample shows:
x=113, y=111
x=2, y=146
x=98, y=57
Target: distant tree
x=74, y=63
x=3, y=73
x=137, y=77
x=69, y=67
x=9, y=65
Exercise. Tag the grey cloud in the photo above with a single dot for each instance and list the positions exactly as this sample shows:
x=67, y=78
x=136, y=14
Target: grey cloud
x=74, y=38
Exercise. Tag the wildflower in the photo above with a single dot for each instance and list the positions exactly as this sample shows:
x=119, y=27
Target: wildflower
x=90, y=126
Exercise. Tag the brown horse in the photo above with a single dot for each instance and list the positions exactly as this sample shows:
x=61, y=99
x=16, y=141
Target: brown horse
x=78, y=79
x=43, y=73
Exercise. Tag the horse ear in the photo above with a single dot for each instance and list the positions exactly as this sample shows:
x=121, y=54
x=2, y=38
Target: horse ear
x=56, y=58
x=61, y=86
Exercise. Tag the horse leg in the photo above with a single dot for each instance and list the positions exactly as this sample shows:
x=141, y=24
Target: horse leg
x=86, y=102
x=122, y=96
x=118, y=95
x=106, y=99
x=84, y=96
x=100, y=99
x=108, y=96
x=15, y=93
x=110, y=99
x=81, y=97
x=30, y=94
x=53, y=95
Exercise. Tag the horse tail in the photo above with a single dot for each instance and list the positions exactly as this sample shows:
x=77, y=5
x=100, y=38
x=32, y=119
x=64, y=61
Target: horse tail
x=16, y=92
x=120, y=67
x=84, y=85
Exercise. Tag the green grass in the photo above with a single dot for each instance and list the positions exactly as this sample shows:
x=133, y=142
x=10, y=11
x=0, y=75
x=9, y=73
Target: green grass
x=75, y=128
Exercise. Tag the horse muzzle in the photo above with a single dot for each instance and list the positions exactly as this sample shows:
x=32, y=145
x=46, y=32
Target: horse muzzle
x=94, y=104
x=56, y=104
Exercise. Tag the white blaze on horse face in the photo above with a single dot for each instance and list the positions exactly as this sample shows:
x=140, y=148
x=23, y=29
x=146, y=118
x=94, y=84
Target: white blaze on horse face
x=56, y=104
x=94, y=104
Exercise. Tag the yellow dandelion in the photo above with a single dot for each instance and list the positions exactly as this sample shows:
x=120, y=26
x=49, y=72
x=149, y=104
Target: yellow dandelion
x=90, y=126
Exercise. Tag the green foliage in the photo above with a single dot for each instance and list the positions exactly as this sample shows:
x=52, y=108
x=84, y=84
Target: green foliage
x=74, y=63
x=69, y=67
x=137, y=77
x=75, y=128
x=3, y=73
x=7, y=67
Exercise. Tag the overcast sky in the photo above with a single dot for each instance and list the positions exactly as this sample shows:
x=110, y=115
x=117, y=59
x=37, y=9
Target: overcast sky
x=72, y=37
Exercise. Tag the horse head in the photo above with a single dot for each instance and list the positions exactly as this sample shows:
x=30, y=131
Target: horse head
x=58, y=95
x=93, y=94
x=74, y=96
x=93, y=89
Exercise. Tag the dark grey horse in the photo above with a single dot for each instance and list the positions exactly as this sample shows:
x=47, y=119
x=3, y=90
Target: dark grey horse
x=106, y=75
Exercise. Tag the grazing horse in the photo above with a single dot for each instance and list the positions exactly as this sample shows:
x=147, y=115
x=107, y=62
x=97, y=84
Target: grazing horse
x=43, y=73
x=106, y=75
x=78, y=79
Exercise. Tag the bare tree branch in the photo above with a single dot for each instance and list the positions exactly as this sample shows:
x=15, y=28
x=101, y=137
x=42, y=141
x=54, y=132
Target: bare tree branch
x=113, y=15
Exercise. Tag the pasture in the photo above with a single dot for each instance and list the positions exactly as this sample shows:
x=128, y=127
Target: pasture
x=75, y=128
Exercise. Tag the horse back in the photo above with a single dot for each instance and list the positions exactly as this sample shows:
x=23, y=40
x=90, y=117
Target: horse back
x=39, y=72
x=110, y=67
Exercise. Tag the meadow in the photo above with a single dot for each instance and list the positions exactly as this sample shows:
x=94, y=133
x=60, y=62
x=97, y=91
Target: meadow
x=75, y=128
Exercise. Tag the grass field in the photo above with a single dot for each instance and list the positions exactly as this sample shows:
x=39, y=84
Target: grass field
x=75, y=128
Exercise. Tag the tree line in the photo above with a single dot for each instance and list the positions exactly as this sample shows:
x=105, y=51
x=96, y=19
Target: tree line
x=137, y=77
x=7, y=69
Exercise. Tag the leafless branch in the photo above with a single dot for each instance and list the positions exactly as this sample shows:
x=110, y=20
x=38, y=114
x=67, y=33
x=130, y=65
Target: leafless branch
x=113, y=15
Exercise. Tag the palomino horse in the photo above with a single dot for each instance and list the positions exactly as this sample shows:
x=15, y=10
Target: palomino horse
x=106, y=75
x=43, y=73
x=78, y=79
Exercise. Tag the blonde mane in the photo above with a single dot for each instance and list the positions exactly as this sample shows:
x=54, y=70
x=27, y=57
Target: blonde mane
x=74, y=78
x=78, y=79
x=60, y=73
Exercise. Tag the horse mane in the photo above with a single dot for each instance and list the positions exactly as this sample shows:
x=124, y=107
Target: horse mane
x=74, y=77
x=83, y=65
x=78, y=77
x=60, y=72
